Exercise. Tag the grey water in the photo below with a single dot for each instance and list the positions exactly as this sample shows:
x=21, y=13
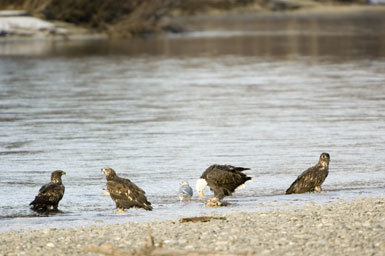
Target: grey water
x=270, y=93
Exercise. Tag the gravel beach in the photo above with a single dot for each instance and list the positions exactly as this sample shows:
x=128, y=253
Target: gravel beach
x=340, y=228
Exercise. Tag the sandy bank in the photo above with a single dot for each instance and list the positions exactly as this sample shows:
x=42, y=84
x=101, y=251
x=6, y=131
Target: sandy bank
x=353, y=228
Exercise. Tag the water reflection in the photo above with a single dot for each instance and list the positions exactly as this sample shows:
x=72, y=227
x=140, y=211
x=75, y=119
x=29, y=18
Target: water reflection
x=278, y=37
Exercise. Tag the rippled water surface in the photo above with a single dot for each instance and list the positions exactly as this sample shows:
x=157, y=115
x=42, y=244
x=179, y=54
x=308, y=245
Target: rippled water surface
x=266, y=93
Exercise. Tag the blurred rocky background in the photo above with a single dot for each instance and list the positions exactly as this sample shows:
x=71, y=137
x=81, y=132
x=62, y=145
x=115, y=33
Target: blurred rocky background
x=122, y=18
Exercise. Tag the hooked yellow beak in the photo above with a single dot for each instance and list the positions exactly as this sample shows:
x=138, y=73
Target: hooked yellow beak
x=201, y=194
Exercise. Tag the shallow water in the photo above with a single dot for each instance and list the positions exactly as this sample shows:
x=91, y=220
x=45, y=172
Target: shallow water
x=266, y=93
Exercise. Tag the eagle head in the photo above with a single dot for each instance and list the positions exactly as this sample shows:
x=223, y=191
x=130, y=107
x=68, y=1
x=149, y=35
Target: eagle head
x=200, y=186
x=109, y=172
x=56, y=176
x=324, y=159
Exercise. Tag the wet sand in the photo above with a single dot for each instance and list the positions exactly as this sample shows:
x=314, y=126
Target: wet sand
x=343, y=228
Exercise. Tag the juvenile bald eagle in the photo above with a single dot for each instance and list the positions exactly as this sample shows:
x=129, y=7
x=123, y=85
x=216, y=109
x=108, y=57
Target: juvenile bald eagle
x=125, y=193
x=222, y=180
x=311, y=179
x=50, y=194
x=185, y=191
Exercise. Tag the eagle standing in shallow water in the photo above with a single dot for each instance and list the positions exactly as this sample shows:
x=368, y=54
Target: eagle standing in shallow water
x=222, y=180
x=311, y=179
x=125, y=193
x=50, y=194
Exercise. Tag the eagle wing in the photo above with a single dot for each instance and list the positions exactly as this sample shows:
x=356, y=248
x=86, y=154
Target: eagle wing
x=308, y=180
x=126, y=194
x=49, y=194
x=224, y=179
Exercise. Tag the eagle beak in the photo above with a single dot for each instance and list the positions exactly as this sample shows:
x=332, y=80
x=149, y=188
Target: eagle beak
x=64, y=173
x=201, y=194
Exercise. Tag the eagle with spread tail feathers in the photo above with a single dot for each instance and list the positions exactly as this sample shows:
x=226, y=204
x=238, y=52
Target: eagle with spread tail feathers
x=311, y=179
x=50, y=194
x=222, y=180
x=124, y=192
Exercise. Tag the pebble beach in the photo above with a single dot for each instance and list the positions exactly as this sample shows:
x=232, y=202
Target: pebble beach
x=356, y=227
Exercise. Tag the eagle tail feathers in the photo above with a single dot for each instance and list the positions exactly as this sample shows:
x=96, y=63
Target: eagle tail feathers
x=289, y=191
x=240, y=187
x=241, y=169
x=39, y=201
x=148, y=207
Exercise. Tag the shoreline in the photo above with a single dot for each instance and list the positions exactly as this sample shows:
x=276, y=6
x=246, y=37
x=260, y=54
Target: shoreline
x=13, y=28
x=354, y=227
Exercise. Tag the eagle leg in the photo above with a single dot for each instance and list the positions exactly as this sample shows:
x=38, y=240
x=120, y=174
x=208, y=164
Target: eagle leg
x=121, y=210
x=318, y=189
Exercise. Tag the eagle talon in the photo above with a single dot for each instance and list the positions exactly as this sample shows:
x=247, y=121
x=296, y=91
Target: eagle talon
x=120, y=211
x=216, y=203
x=318, y=189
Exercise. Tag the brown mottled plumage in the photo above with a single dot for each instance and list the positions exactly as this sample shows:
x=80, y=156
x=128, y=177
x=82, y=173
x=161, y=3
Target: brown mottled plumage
x=222, y=180
x=311, y=179
x=125, y=193
x=50, y=194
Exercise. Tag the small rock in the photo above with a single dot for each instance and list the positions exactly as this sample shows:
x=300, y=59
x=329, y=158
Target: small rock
x=51, y=245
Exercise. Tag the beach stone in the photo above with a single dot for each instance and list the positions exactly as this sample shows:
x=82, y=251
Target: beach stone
x=50, y=245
